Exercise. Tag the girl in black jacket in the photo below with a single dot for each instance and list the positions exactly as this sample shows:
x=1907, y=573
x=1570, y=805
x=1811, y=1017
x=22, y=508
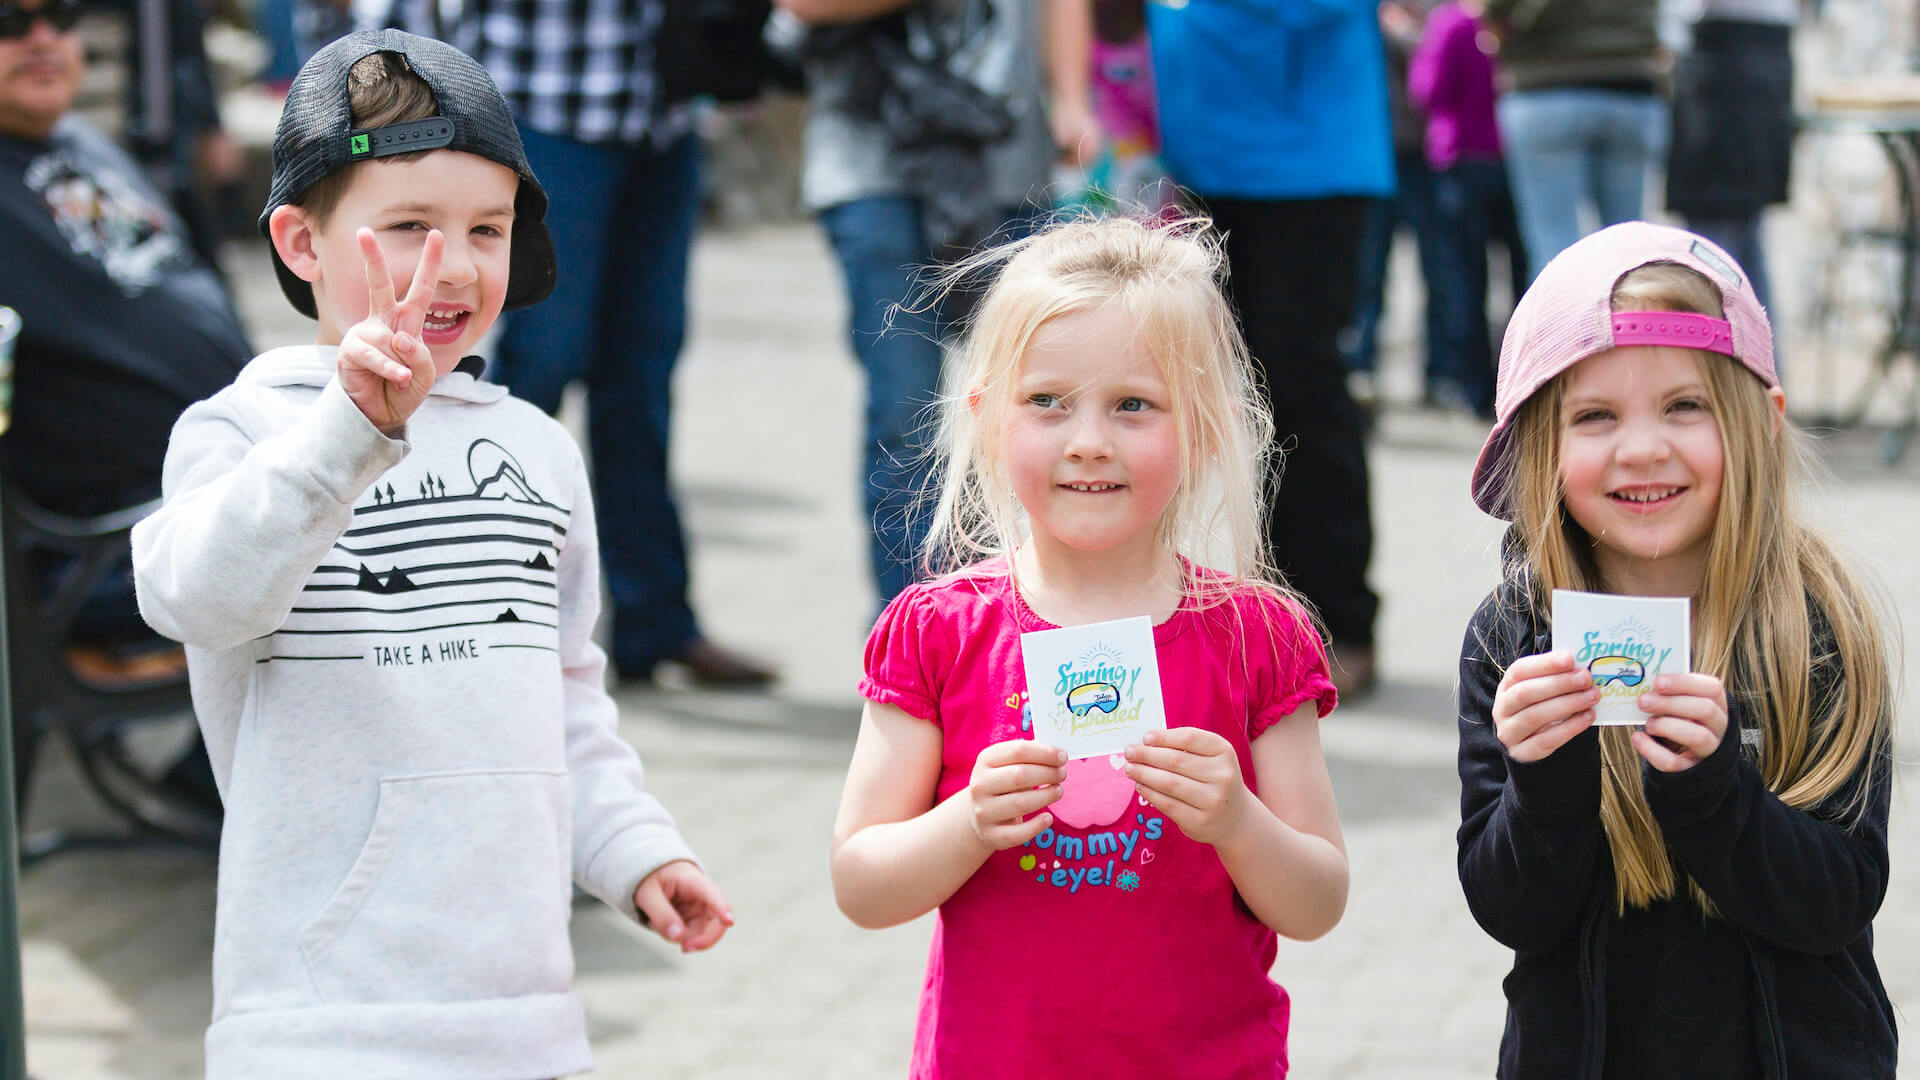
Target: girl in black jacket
x=1691, y=898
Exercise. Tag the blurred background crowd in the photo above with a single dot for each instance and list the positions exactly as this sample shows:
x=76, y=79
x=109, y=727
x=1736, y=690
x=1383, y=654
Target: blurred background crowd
x=1475, y=137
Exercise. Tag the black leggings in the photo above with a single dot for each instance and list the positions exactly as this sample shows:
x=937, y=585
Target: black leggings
x=1293, y=274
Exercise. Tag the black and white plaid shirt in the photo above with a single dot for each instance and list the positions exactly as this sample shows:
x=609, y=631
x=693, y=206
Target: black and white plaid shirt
x=578, y=68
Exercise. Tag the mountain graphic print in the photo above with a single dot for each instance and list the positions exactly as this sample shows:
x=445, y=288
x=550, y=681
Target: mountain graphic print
x=466, y=559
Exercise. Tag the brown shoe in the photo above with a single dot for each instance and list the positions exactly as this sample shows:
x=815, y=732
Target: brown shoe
x=1353, y=671
x=712, y=666
x=108, y=669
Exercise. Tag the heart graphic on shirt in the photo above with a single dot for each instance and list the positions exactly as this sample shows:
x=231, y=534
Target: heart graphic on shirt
x=1094, y=792
x=1056, y=864
x=1146, y=856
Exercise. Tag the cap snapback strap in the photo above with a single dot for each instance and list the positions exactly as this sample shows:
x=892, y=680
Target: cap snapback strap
x=1684, y=329
x=404, y=138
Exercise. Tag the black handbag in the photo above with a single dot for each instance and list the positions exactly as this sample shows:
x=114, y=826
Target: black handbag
x=938, y=124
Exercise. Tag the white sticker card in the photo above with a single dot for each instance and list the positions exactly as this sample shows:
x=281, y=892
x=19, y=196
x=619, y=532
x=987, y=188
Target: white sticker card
x=1094, y=689
x=1623, y=642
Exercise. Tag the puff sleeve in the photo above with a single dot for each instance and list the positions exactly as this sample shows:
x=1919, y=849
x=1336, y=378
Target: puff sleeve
x=1286, y=660
x=896, y=669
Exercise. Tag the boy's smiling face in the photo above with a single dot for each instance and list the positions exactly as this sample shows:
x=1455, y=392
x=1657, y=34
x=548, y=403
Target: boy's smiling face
x=465, y=196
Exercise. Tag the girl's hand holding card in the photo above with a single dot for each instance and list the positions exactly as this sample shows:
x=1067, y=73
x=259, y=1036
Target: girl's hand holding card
x=1011, y=780
x=1542, y=703
x=1687, y=718
x=1191, y=775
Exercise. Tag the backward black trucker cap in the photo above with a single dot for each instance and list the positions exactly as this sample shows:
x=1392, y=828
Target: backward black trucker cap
x=316, y=139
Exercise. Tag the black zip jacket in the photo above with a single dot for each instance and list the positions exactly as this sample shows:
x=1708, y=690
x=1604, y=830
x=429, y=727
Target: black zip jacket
x=1799, y=887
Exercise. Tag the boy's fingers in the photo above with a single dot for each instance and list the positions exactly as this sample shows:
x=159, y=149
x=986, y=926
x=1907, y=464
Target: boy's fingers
x=705, y=909
x=379, y=280
x=707, y=930
x=660, y=912
x=696, y=886
x=426, y=276
x=368, y=357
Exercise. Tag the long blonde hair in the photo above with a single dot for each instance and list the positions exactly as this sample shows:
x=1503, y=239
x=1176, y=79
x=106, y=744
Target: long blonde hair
x=1165, y=277
x=1751, y=616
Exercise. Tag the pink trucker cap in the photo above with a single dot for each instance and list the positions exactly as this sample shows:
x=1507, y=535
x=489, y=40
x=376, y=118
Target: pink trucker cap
x=1567, y=315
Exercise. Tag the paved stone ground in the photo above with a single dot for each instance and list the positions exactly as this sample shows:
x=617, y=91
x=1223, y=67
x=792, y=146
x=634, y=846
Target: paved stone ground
x=1407, y=987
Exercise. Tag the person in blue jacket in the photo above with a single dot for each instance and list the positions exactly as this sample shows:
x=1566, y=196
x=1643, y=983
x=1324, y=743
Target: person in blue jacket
x=1277, y=122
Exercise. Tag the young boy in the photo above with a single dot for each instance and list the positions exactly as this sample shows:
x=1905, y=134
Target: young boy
x=385, y=573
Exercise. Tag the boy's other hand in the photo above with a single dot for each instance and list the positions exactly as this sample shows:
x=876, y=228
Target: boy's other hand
x=384, y=366
x=683, y=906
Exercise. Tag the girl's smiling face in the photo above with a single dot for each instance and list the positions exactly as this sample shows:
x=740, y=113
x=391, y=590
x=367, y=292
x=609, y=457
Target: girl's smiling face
x=1090, y=440
x=1641, y=462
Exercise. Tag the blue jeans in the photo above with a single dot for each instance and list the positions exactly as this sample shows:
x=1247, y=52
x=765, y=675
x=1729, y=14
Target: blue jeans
x=1571, y=148
x=882, y=249
x=1472, y=208
x=1411, y=205
x=622, y=218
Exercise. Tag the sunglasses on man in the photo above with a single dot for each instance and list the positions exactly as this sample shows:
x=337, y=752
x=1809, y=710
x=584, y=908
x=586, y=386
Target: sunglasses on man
x=17, y=22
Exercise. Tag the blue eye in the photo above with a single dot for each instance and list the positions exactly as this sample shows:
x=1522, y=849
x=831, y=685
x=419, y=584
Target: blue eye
x=1044, y=401
x=1134, y=404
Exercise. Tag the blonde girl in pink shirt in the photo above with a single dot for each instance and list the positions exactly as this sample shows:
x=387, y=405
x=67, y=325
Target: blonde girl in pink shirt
x=1112, y=917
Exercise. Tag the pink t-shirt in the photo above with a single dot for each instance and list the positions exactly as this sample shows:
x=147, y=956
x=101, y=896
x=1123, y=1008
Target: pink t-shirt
x=1111, y=946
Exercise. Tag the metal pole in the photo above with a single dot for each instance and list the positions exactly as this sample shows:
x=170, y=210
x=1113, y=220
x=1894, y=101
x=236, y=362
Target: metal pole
x=13, y=1018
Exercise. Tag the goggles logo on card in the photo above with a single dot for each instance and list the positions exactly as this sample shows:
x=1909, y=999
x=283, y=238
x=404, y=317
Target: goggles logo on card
x=1621, y=657
x=1093, y=687
x=1094, y=695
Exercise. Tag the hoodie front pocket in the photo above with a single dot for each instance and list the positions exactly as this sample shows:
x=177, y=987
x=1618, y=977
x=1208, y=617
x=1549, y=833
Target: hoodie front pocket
x=460, y=892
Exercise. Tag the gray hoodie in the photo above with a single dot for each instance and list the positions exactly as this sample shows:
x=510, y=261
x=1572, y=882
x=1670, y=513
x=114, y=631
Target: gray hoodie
x=391, y=659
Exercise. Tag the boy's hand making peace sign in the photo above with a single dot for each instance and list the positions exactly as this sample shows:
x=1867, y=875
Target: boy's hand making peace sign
x=384, y=366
